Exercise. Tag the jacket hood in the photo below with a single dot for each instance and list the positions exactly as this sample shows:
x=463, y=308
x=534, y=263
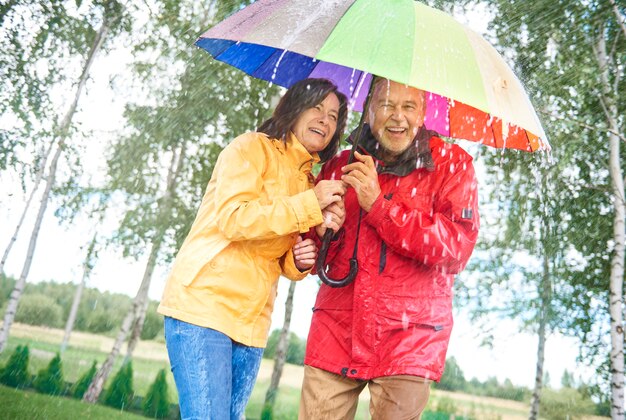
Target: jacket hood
x=416, y=156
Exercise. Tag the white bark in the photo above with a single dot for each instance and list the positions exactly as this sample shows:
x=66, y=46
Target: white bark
x=281, y=350
x=38, y=178
x=546, y=299
x=71, y=319
x=16, y=294
x=616, y=296
x=619, y=17
x=136, y=315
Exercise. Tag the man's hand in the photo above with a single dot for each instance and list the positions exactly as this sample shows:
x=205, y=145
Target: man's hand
x=304, y=253
x=362, y=176
x=334, y=216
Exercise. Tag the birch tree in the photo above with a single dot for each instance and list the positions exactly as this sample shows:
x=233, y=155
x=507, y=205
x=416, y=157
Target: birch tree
x=189, y=126
x=111, y=14
x=572, y=56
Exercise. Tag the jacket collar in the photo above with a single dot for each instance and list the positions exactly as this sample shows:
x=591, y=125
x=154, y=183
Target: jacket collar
x=416, y=157
x=297, y=152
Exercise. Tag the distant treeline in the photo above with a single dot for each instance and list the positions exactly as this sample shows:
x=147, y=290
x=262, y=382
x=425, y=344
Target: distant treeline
x=48, y=304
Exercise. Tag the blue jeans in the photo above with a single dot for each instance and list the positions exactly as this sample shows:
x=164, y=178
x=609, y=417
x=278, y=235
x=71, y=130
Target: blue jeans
x=214, y=375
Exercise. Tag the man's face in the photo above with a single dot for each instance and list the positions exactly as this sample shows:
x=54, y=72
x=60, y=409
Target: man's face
x=396, y=112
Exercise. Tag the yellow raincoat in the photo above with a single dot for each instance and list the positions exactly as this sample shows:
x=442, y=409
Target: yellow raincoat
x=226, y=273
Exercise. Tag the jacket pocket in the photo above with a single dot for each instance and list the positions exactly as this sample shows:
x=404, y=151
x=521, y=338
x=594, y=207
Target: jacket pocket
x=423, y=314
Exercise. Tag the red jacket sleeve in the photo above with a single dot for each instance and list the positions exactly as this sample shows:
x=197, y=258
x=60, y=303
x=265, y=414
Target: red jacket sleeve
x=442, y=235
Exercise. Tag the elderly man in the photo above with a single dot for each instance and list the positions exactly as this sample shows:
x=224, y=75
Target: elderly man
x=389, y=329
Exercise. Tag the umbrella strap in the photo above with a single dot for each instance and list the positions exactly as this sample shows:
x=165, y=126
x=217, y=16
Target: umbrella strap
x=351, y=159
x=356, y=239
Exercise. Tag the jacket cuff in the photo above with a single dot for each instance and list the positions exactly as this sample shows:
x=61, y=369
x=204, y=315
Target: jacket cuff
x=289, y=268
x=378, y=212
x=307, y=209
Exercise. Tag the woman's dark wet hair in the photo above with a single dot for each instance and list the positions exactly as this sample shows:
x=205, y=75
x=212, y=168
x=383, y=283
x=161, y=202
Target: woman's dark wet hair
x=301, y=96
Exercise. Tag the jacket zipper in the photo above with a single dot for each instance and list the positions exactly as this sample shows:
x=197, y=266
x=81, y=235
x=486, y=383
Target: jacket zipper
x=382, y=261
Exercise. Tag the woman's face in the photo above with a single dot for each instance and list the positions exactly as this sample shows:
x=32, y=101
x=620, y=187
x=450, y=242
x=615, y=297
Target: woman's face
x=316, y=126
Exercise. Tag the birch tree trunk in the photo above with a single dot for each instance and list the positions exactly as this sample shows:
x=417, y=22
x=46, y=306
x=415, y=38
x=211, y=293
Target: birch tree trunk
x=71, y=319
x=136, y=331
x=164, y=215
x=38, y=178
x=546, y=298
x=139, y=306
x=281, y=355
x=16, y=294
x=616, y=284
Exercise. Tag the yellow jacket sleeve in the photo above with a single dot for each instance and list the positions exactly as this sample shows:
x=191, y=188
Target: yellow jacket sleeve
x=245, y=210
x=289, y=269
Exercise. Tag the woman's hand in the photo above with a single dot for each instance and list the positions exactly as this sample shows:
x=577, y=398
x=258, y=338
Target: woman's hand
x=334, y=216
x=304, y=253
x=328, y=192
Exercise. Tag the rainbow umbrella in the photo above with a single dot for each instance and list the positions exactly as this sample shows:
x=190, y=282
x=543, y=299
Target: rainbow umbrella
x=472, y=93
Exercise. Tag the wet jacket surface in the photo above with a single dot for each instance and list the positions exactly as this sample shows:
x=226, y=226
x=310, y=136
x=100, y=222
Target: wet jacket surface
x=256, y=204
x=396, y=317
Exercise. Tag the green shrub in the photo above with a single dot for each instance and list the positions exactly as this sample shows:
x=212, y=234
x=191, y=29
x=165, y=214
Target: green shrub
x=15, y=372
x=81, y=386
x=100, y=321
x=446, y=405
x=295, y=348
x=156, y=403
x=38, y=309
x=566, y=403
x=50, y=380
x=452, y=378
x=152, y=325
x=120, y=392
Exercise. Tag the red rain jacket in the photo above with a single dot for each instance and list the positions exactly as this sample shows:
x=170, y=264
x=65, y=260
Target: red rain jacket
x=396, y=317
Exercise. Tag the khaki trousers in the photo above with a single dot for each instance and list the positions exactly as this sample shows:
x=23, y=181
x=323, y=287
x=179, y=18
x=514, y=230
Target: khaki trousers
x=328, y=396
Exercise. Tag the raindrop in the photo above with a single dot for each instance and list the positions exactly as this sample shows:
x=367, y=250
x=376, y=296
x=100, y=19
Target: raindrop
x=405, y=321
x=413, y=192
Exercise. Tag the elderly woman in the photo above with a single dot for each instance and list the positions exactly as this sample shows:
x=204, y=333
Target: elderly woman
x=219, y=297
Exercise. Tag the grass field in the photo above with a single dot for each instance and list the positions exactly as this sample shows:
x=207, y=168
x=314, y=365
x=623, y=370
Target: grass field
x=151, y=356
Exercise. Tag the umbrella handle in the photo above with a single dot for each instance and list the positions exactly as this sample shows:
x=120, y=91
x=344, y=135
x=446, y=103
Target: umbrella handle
x=321, y=263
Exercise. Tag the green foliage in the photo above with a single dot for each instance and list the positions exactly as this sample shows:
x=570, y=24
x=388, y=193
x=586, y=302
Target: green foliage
x=153, y=324
x=567, y=403
x=565, y=211
x=120, y=392
x=452, y=378
x=100, y=321
x=295, y=349
x=6, y=286
x=156, y=403
x=15, y=372
x=80, y=387
x=446, y=405
x=98, y=312
x=50, y=380
x=567, y=380
x=39, y=309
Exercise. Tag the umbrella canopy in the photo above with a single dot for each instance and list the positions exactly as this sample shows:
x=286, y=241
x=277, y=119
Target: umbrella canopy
x=472, y=93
